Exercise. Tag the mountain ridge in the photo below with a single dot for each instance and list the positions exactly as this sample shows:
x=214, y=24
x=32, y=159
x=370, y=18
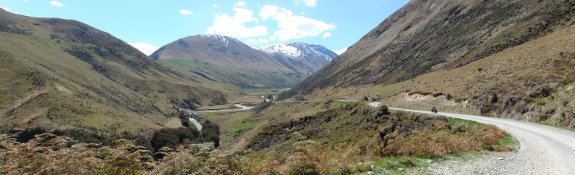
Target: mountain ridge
x=228, y=60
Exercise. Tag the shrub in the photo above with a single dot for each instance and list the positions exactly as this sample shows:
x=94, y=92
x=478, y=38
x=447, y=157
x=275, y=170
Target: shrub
x=172, y=137
x=38, y=79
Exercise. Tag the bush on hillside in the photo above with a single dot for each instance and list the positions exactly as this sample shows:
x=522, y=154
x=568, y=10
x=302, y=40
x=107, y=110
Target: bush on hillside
x=172, y=137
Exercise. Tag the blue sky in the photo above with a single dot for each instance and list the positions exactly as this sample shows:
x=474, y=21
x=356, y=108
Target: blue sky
x=336, y=24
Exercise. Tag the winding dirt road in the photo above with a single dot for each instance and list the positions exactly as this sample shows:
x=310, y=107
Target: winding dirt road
x=543, y=149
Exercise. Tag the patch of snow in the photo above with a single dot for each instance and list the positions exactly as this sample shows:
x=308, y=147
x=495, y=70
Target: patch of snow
x=223, y=39
x=297, y=50
x=285, y=49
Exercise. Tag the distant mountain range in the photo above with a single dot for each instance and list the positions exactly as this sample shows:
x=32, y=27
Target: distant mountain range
x=228, y=60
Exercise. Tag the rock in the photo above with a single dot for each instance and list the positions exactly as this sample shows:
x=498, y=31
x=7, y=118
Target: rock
x=500, y=158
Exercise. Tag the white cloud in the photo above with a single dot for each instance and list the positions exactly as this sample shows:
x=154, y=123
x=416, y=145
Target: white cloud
x=185, y=12
x=340, y=51
x=263, y=40
x=56, y=4
x=240, y=4
x=215, y=6
x=251, y=41
x=236, y=25
x=145, y=48
x=291, y=26
x=308, y=3
x=326, y=35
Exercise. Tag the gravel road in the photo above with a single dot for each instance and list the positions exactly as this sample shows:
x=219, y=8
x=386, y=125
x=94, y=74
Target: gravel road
x=543, y=150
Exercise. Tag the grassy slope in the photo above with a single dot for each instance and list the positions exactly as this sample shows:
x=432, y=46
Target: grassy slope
x=130, y=91
x=237, y=127
x=246, y=78
x=523, y=73
x=426, y=36
x=351, y=138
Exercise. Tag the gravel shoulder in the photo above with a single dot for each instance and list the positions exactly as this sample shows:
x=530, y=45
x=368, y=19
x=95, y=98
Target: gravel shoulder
x=543, y=150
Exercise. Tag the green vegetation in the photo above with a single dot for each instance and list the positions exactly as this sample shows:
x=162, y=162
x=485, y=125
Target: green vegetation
x=345, y=139
x=507, y=143
x=244, y=78
x=38, y=79
x=172, y=137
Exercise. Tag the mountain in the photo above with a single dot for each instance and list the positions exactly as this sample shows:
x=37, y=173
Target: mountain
x=302, y=57
x=494, y=58
x=227, y=60
x=424, y=36
x=63, y=74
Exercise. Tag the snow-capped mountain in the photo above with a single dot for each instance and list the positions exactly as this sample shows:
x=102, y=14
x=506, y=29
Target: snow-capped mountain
x=223, y=39
x=302, y=57
x=300, y=51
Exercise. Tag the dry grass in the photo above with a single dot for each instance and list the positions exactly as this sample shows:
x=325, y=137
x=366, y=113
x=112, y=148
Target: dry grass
x=522, y=72
x=352, y=137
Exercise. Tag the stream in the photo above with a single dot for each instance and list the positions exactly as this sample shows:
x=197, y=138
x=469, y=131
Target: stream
x=198, y=125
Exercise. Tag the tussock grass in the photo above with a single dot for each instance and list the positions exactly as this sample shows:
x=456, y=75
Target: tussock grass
x=352, y=138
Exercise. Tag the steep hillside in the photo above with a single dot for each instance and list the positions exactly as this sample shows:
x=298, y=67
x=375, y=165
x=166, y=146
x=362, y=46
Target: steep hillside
x=533, y=81
x=225, y=59
x=424, y=36
x=302, y=57
x=63, y=74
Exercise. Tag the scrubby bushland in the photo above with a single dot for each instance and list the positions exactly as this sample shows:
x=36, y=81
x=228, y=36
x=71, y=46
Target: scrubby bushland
x=172, y=137
x=541, y=96
x=335, y=141
x=344, y=140
x=51, y=154
x=88, y=135
x=38, y=79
